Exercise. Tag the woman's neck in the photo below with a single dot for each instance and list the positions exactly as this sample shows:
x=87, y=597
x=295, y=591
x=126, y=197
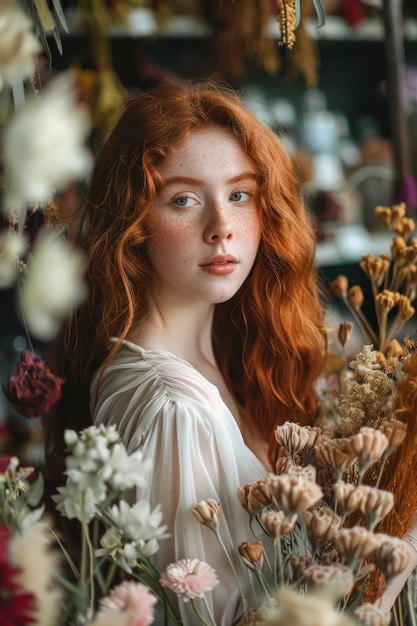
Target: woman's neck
x=187, y=332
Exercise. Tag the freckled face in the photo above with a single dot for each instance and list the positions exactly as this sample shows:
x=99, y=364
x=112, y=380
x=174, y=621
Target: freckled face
x=205, y=221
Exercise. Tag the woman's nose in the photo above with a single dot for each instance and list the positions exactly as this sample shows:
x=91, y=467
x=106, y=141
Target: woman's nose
x=218, y=226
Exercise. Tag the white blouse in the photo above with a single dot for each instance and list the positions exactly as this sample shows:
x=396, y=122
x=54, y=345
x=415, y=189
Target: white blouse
x=163, y=404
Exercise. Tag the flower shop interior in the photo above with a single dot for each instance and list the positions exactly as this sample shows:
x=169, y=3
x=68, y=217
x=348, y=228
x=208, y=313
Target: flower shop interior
x=339, y=90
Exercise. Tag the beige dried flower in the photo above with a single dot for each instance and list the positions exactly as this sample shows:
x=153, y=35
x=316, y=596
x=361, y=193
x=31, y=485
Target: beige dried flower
x=391, y=555
x=299, y=564
x=277, y=524
x=293, y=494
x=322, y=525
x=282, y=464
x=252, y=554
x=348, y=496
x=314, y=434
x=368, y=400
x=242, y=494
x=371, y=615
x=207, y=512
x=304, y=472
x=333, y=452
x=254, y=496
x=369, y=444
x=336, y=579
x=376, y=503
x=292, y=437
x=356, y=541
x=329, y=556
x=395, y=431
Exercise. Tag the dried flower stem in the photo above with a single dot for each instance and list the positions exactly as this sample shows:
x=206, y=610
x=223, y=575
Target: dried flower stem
x=365, y=327
x=219, y=539
x=199, y=615
x=87, y=549
x=151, y=580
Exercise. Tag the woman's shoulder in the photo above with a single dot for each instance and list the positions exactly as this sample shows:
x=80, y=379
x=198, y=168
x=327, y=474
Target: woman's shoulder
x=152, y=389
x=147, y=373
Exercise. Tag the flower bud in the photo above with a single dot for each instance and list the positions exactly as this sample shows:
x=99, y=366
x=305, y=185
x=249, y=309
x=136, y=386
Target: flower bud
x=259, y=495
x=339, y=286
x=356, y=297
x=344, y=332
x=207, y=512
x=384, y=214
x=252, y=554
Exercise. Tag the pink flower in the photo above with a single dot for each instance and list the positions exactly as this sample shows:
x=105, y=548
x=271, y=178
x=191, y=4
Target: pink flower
x=190, y=578
x=133, y=597
x=33, y=390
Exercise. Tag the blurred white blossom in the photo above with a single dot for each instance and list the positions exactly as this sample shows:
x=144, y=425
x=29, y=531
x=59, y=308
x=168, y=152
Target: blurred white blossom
x=53, y=285
x=18, y=45
x=27, y=550
x=12, y=247
x=44, y=145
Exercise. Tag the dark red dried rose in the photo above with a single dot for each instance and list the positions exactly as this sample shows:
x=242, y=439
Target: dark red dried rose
x=33, y=390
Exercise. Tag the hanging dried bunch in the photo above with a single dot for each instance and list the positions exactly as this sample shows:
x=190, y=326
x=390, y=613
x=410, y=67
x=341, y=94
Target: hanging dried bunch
x=287, y=20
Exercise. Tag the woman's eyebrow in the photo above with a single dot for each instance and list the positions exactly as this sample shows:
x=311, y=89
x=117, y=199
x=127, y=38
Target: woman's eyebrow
x=190, y=180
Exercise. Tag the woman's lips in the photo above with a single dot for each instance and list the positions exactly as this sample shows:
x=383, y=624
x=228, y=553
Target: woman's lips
x=220, y=265
x=219, y=268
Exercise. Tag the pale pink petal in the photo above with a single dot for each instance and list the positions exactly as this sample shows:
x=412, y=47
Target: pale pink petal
x=189, y=578
x=134, y=598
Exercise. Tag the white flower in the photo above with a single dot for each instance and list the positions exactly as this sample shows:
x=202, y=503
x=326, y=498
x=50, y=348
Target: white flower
x=74, y=503
x=44, y=145
x=18, y=45
x=52, y=287
x=132, y=532
x=127, y=470
x=138, y=521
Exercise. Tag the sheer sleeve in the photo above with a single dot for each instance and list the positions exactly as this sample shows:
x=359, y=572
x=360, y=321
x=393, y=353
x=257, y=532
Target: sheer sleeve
x=179, y=419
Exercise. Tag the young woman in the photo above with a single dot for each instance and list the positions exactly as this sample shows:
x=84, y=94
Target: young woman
x=203, y=325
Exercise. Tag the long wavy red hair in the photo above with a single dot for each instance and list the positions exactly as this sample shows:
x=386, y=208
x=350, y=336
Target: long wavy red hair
x=268, y=338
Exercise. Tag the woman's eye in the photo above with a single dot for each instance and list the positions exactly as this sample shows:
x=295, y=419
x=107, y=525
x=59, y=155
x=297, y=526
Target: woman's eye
x=183, y=201
x=239, y=196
